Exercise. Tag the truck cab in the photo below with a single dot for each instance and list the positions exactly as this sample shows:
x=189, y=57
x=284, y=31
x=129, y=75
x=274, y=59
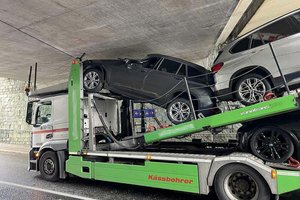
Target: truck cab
x=49, y=119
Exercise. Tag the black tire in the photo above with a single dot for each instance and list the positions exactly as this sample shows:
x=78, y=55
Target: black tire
x=92, y=80
x=241, y=89
x=238, y=181
x=172, y=114
x=271, y=144
x=48, y=166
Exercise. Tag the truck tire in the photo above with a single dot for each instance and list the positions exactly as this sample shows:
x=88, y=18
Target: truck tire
x=238, y=181
x=48, y=166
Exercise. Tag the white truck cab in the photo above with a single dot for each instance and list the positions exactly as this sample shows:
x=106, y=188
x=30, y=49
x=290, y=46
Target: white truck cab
x=49, y=120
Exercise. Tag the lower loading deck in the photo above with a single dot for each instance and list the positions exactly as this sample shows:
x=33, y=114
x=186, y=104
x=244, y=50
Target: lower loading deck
x=193, y=173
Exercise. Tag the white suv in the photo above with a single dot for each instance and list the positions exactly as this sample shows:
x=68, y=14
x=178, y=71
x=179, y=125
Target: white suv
x=245, y=70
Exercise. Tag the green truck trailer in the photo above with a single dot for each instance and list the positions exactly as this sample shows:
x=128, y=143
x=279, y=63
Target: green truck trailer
x=85, y=145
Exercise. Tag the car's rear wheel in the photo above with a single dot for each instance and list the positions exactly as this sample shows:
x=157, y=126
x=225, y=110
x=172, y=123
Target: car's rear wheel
x=271, y=144
x=92, y=80
x=179, y=111
x=251, y=88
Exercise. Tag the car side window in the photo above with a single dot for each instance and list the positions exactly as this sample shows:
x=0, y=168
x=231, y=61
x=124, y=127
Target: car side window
x=194, y=72
x=182, y=70
x=277, y=30
x=256, y=40
x=169, y=66
x=241, y=45
x=296, y=21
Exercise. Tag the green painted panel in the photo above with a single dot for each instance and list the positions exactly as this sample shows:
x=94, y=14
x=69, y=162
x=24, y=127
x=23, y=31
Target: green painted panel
x=179, y=177
x=173, y=176
x=74, y=89
x=75, y=164
x=288, y=181
x=256, y=111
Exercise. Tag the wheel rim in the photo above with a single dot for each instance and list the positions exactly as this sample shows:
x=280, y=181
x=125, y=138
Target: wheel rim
x=91, y=80
x=180, y=111
x=240, y=186
x=271, y=145
x=252, y=90
x=49, y=166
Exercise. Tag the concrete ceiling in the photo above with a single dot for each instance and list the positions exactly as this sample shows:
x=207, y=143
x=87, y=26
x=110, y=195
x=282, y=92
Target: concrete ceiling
x=51, y=32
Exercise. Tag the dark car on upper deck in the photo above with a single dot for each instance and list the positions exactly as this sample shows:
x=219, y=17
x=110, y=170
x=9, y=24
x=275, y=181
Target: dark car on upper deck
x=156, y=79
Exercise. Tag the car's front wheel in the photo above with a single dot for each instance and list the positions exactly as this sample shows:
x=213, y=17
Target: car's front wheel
x=179, y=111
x=251, y=88
x=92, y=80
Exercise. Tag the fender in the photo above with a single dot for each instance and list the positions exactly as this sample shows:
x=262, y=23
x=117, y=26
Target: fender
x=58, y=145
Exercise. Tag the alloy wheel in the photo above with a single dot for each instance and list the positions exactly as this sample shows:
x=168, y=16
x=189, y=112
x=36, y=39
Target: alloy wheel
x=252, y=90
x=271, y=145
x=91, y=80
x=180, y=111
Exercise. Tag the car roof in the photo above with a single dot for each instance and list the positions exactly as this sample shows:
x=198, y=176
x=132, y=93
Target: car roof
x=177, y=60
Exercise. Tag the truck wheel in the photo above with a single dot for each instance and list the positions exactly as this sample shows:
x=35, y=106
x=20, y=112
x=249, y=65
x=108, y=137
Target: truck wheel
x=272, y=144
x=240, y=182
x=48, y=166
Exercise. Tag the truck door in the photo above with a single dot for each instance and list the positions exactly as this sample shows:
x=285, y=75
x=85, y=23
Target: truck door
x=43, y=128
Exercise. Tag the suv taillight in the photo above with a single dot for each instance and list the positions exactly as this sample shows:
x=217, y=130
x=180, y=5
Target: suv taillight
x=217, y=67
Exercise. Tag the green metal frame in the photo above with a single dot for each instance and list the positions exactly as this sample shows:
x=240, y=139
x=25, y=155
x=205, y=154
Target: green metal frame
x=256, y=111
x=75, y=93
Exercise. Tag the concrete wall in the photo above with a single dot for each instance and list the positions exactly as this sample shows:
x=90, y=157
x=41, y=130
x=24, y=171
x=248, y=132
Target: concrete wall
x=13, y=128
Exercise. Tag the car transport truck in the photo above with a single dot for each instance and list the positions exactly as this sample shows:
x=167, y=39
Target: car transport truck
x=90, y=135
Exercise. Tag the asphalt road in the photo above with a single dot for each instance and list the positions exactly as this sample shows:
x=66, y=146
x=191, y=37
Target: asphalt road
x=16, y=183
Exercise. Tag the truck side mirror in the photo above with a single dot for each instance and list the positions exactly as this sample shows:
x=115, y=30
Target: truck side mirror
x=29, y=113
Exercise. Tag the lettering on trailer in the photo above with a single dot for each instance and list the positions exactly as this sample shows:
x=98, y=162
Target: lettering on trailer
x=169, y=179
x=255, y=110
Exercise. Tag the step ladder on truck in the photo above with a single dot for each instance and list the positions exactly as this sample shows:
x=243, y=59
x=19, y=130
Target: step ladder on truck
x=90, y=143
